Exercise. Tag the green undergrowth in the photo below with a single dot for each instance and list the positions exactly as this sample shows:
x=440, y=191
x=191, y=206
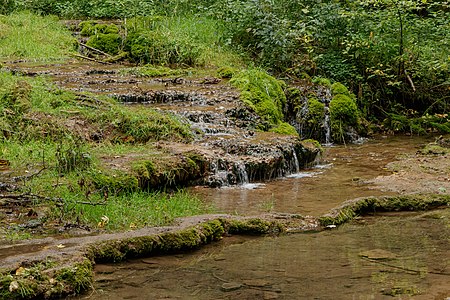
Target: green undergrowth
x=437, y=123
x=351, y=209
x=162, y=42
x=264, y=94
x=187, y=41
x=33, y=108
x=61, y=145
x=24, y=35
x=46, y=280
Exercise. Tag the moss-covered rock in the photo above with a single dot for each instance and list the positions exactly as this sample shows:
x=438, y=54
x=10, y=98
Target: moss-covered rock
x=344, y=115
x=110, y=43
x=284, y=128
x=353, y=208
x=262, y=93
x=226, y=72
x=338, y=88
x=115, y=182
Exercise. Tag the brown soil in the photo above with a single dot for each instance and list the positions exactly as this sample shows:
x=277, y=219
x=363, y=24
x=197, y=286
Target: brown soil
x=420, y=172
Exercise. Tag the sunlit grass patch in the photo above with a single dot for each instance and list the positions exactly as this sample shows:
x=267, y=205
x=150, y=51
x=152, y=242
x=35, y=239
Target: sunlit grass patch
x=135, y=210
x=24, y=35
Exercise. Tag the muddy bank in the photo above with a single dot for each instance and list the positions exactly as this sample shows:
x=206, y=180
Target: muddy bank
x=56, y=267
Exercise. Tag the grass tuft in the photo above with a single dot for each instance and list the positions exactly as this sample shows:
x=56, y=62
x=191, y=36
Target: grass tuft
x=24, y=35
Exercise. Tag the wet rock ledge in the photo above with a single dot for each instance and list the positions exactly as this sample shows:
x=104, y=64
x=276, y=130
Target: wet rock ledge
x=53, y=268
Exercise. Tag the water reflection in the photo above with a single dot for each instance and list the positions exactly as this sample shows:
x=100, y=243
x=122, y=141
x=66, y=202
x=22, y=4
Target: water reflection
x=404, y=255
x=341, y=177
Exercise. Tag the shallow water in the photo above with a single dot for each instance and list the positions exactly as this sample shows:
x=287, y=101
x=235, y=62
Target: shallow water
x=406, y=255
x=315, y=191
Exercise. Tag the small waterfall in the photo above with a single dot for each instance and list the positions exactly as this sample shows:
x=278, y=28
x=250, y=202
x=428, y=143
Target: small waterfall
x=241, y=173
x=296, y=163
x=327, y=127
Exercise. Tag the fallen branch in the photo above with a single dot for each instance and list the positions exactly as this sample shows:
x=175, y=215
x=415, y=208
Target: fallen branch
x=91, y=59
x=27, y=177
x=91, y=203
x=28, y=197
x=411, y=83
x=95, y=49
x=405, y=269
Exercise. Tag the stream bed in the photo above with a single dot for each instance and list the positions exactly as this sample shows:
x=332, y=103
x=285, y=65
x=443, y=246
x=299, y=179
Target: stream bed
x=342, y=175
x=377, y=257
x=405, y=255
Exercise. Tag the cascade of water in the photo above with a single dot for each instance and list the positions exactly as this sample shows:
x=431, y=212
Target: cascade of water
x=296, y=163
x=241, y=173
x=327, y=128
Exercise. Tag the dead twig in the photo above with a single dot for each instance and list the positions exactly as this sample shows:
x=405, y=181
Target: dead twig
x=405, y=269
x=28, y=176
x=95, y=49
x=92, y=59
x=91, y=203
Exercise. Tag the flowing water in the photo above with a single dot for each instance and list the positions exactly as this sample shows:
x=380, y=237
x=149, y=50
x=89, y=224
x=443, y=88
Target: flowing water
x=404, y=255
x=340, y=176
x=377, y=257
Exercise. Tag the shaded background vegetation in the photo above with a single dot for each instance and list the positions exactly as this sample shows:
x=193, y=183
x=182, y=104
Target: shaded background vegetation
x=394, y=55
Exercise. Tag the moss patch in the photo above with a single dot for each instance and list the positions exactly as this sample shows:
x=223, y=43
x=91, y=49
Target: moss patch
x=46, y=280
x=107, y=42
x=262, y=93
x=343, y=114
x=353, y=208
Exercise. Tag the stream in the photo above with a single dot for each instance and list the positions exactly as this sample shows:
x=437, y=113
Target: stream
x=340, y=176
x=376, y=257
x=372, y=258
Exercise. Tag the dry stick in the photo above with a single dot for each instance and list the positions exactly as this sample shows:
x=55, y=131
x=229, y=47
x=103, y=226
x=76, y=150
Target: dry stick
x=91, y=203
x=91, y=59
x=26, y=177
x=95, y=49
x=405, y=269
x=410, y=81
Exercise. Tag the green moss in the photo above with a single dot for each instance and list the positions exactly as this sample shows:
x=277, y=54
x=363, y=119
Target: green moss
x=115, y=182
x=156, y=71
x=434, y=149
x=254, y=227
x=338, y=88
x=321, y=81
x=107, y=42
x=226, y=72
x=343, y=114
x=316, y=113
x=284, y=128
x=351, y=209
x=262, y=93
x=294, y=97
x=75, y=278
x=187, y=239
x=90, y=28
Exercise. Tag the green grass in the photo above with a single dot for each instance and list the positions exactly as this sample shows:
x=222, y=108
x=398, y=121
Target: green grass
x=186, y=41
x=36, y=139
x=139, y=209
x=24, y=35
